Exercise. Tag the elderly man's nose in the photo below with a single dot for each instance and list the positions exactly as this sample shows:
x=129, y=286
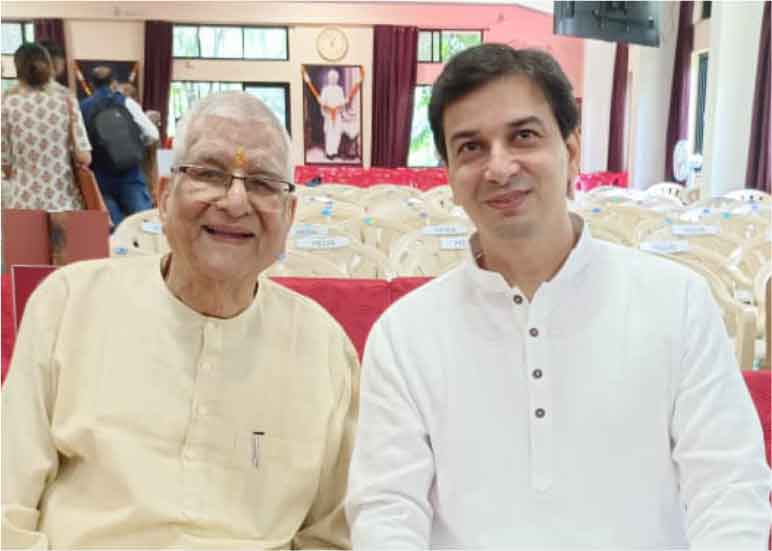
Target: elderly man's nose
x=236, y=201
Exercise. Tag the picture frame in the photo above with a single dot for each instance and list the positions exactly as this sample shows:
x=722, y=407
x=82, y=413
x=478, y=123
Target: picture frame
x=332, y=114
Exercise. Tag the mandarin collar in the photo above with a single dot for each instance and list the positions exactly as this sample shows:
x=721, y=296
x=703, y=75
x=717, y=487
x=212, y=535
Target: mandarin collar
x=493, y=282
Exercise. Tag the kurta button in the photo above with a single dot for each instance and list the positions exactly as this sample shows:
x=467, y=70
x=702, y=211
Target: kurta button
x=518, y=299
x=540, y=413
x=536, y=373
x=534, y=332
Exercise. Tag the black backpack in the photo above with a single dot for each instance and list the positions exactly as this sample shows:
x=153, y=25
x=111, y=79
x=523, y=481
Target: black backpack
x=114, y=135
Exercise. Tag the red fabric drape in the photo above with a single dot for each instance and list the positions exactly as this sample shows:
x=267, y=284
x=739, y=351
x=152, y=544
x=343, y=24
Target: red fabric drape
x=616, y=132
x=758, y=174
x=53, y=30
x=678, y=122
x=157, y=76
x=394, y=77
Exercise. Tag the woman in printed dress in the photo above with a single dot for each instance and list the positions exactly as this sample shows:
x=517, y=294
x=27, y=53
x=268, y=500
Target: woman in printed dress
x=37, y=140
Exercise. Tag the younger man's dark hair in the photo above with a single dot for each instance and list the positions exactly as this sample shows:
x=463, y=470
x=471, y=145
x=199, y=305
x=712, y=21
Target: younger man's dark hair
x=477, y=66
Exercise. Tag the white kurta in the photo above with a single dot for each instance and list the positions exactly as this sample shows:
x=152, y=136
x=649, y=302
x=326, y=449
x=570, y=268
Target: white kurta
x=129, y=420
x=332, y=96
x=586, y=418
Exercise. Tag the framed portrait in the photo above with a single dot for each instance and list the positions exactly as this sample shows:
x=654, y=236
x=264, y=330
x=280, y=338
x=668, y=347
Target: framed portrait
x=332, y=114
x=125, y=73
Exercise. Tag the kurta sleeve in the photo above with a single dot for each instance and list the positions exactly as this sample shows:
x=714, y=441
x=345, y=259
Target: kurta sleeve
x=392, y=468
x=29, y=456
x=716, y=434
x=325, y=526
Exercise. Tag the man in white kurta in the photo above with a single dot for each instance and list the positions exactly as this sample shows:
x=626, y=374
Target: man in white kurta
x=144, y=413
x=553, y=391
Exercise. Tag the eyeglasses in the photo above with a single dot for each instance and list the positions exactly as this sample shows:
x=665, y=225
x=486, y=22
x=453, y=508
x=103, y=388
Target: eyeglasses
x=210, y=184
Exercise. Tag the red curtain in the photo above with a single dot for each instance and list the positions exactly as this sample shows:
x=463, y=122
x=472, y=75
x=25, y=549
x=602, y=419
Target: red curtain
x=678, y=122
x=394, y=75
x=616, y=132
x=758, y=174
x=157, y=76
x=53, y=30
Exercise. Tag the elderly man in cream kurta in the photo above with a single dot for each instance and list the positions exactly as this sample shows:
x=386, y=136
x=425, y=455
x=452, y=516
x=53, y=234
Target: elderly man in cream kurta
x=184, y=401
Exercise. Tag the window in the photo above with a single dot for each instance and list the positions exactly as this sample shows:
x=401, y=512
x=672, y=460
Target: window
x=227, y=42
x=8, y=82
x=707, y=7
x=183, y=94
x=275, y=96
x=15, y=34
x=422, y=152
x=440, y=45
x=702, y=93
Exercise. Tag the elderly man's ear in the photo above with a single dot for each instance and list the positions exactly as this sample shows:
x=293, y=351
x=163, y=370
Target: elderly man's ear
x=165, y=187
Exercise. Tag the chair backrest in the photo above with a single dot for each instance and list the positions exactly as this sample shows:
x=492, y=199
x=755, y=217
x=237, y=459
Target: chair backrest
x=667, y=189
x=350, y=256
x=301, y=264
x=739, y=318
x=139, y=234
x=429, y=251
x=750, y=195
x=342, y=192
x=322, y=210
x=383, y=193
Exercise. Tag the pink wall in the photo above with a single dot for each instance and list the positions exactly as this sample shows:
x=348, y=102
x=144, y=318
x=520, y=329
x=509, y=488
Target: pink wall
x=513, y=25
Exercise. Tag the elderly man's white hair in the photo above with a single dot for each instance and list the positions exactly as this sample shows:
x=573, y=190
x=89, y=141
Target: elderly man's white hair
x=237, y=106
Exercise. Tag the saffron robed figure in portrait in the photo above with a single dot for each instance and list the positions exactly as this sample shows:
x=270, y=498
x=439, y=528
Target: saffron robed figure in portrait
x=553, y=390
x=185, y=400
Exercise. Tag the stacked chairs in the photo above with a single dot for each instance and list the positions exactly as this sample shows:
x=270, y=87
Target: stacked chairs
x=351, y=258
x=750, y=195
x=668, y=189
x=341, y=192
x=431, y=250
x=739, y=318
x=139, y=234
x=379, y=194
x=301, y=264
x=314, y=208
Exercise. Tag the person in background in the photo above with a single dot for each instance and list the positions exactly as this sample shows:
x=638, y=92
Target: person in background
x=184, y=400
x=42, y=135
x=58, y=60
x=124, y=191
x=554, y=390
x=129, y=90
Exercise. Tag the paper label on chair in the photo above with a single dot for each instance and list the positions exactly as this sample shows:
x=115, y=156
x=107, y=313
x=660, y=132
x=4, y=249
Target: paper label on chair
x=445, y=229
x=305, y=230
x=665, y=247
x=322, y=242
x=694, y=229
x=453, y=243
x=152, y=227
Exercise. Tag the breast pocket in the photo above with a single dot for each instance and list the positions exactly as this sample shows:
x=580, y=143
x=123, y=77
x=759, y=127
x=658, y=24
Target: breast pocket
x=277, y=479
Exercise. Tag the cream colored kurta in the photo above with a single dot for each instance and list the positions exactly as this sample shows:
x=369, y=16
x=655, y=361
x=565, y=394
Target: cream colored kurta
x=129, y=420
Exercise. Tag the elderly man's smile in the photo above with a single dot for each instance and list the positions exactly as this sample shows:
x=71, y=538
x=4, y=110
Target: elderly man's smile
x=227, y=233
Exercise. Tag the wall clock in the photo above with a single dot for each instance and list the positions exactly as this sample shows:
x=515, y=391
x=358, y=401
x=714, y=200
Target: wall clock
x=332, y=44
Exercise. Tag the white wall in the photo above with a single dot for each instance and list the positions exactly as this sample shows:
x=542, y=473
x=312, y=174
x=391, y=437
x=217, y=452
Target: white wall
x=734, y=44
x=596, y=103
x=652, y=70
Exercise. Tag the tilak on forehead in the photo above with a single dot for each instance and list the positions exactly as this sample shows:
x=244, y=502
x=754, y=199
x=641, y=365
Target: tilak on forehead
x=240, y=158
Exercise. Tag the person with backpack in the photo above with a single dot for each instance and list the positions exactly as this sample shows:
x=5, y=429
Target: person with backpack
x=118, y=131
